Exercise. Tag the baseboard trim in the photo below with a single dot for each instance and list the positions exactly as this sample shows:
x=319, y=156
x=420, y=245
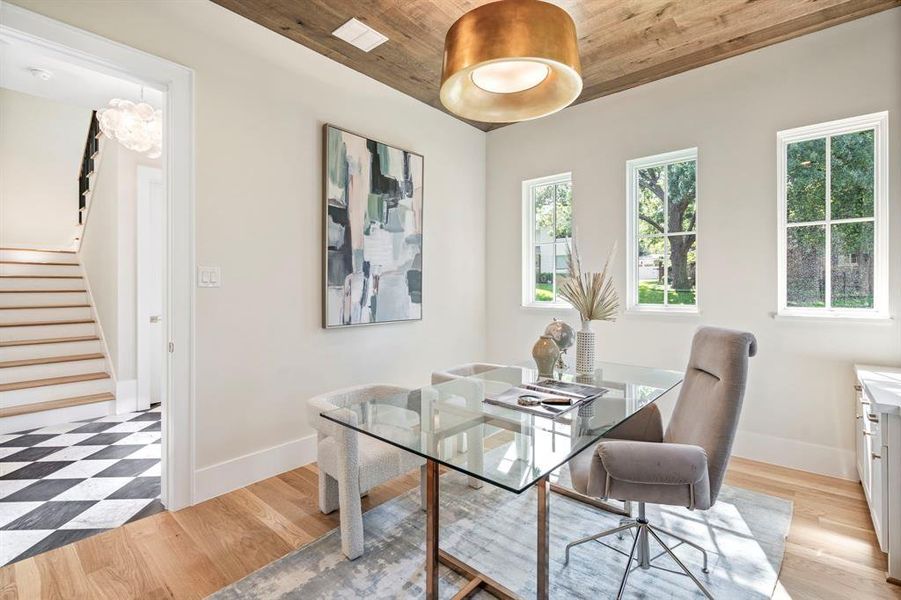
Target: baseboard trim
x=230, y=475
x=126, y=396
x=804, y=456
x=55, y=416
x=242, y=471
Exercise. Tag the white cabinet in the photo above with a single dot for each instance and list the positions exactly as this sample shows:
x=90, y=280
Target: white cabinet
x=878, y=438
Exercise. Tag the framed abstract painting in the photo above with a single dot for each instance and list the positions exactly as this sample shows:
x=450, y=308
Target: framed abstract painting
x=373, y=231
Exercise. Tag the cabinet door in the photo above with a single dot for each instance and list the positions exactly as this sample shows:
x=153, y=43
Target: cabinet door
x=877, y=484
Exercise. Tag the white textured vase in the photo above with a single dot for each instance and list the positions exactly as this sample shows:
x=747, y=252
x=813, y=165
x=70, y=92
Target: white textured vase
x=585, y=349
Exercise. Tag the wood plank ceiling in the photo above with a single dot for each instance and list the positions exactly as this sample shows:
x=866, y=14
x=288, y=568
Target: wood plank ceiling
x=623, y=43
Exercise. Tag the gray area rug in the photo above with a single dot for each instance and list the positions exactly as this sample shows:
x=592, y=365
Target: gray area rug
x=494, y=531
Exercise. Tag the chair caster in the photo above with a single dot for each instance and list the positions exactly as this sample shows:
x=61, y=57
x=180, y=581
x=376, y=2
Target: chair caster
x=705, y=570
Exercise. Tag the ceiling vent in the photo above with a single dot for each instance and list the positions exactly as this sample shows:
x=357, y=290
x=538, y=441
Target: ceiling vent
x=359, y=34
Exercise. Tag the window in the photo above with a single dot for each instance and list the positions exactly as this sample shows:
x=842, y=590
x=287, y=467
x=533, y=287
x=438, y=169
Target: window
x=662, y=236
x=547, y=231
x=833, y=201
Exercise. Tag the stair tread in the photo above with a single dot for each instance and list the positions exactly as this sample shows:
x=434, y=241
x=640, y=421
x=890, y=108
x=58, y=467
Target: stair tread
x=24, y=307
x=41, y=277
x=49, y=360
x=46, y=323
x=61, y=340
x=38, y=262
x=43, y=291
x=23, y=385
x=24, y=409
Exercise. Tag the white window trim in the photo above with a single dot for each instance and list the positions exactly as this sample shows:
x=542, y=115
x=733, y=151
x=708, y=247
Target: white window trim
x=632, y=168
x=528, y=245
x=878, y=122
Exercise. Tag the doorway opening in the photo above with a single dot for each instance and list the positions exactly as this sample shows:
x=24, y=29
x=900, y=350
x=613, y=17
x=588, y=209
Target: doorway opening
x=95, y=309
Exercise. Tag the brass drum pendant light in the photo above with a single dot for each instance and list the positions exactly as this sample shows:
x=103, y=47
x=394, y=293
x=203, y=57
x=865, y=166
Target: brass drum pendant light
x=512, y=60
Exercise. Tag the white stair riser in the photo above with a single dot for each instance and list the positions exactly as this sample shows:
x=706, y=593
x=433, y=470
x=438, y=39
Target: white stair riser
x=37, y=256
x=44, y=418
x=38, y=270
x=32, y=372
x=55, y=392
x=40, y=283
x=30, y=315
x=45, y=350
x=43, y=299
x=41, y=332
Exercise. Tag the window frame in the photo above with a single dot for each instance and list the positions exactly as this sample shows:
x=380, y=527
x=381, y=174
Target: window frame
x=878, y=122
x=633, y=166
x=528, y=241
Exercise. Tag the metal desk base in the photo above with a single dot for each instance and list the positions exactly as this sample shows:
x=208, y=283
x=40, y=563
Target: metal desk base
x=477, y=580
x=435, y=556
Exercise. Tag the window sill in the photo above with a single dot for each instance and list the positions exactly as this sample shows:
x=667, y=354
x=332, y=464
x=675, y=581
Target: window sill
x=647, y=311
x=827, y=317
x=547, y=306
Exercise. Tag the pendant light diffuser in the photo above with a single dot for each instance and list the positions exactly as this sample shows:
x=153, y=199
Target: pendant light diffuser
x=512, y=60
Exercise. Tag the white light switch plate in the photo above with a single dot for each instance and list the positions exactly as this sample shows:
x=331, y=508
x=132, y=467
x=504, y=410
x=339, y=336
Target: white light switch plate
x=208, y=277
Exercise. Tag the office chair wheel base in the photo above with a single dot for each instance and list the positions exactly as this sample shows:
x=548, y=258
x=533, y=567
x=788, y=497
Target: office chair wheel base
x=639, y=550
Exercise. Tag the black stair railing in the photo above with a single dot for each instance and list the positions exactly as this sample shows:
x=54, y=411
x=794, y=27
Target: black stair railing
x=91, y=146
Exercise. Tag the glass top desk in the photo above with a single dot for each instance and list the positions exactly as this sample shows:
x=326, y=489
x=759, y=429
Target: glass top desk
x=503, y=446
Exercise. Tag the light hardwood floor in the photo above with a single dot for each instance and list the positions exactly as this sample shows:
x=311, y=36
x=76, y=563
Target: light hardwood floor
x=830, y=553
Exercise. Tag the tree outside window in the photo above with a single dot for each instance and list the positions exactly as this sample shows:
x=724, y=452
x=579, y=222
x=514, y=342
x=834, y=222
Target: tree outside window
x=663, y=235
x=549, y=231
x=830, y=203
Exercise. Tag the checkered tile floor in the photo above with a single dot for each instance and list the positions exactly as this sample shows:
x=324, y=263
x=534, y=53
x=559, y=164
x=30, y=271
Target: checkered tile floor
x=62, y=483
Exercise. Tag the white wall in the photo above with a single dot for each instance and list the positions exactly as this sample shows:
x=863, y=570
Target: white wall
x=41, y=145
x=261, y=100
x=98, y=253
x=799, y=409
x=108, y=253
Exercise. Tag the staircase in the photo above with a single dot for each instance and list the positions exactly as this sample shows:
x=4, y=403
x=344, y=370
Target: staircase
x=52, y=366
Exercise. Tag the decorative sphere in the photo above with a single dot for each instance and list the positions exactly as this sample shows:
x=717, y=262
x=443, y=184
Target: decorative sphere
x=562, y=333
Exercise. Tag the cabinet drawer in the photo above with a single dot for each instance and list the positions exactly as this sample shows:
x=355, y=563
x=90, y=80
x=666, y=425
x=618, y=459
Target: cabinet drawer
x=862, y=438
x=868, y=421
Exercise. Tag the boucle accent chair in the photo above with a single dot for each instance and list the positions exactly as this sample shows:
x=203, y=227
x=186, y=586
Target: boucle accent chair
x=460, y=442
x=351, y=464
x=464, y=370
x=682, y=466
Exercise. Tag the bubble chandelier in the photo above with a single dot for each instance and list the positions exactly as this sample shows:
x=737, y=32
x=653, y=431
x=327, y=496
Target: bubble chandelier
x=137, y=126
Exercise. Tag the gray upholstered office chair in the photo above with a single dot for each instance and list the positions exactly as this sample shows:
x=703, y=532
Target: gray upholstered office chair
x=683, y=466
